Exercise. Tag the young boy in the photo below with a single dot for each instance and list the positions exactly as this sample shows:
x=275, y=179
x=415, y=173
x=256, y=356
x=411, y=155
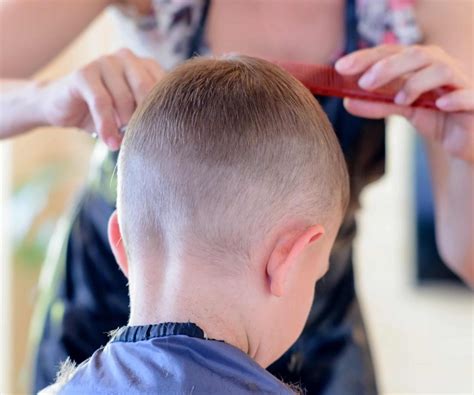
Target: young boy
x=231, y=189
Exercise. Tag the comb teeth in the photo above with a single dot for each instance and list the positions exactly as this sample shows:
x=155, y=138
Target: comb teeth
x=326, y=81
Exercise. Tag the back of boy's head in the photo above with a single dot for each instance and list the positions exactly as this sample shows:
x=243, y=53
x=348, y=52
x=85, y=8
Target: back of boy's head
x=222, y=152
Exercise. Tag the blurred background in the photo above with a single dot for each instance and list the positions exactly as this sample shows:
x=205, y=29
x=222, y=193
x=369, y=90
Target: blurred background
x=421, y=331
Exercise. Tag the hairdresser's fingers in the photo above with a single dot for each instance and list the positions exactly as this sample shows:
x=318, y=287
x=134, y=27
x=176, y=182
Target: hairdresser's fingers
x=99, y=103
x=114, y=80
x=454, y=132
x=429, y=78
x=359, y=61
x=394, y=66
x=154, y=69
x=459, y=100
x=376, y=110
x=459, y=139
x=426, y=121
x=136, y=74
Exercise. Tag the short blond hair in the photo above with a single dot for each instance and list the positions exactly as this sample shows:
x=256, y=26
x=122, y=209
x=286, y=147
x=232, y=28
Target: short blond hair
x=221, y=152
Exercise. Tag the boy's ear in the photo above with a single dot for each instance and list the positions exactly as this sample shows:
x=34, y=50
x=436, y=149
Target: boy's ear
x=116, y=243
x=286, y=255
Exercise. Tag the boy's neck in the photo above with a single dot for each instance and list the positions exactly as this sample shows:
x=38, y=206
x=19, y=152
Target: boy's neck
x=215, y=305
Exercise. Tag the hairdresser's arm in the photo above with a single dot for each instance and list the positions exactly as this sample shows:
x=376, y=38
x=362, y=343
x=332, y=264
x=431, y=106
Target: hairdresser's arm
x=448, y=133
x=19, y=109
x=98, y=97
x=31, y=34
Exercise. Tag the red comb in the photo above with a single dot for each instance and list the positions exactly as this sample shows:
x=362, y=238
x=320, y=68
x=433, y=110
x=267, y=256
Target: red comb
x=326, y=81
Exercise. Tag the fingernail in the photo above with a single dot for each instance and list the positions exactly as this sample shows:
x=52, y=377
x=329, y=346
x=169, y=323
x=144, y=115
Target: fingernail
x=367, y=80
x=344, y=64
x=112, y=143
x=400, y=98
x=442, y=102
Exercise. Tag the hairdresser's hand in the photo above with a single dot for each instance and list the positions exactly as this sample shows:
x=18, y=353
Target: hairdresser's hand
x=424, y=68
x=101, y=96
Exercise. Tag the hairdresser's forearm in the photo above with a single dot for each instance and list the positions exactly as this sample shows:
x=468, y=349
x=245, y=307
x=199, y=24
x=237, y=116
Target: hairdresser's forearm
x=19, y=107
x=453, y=184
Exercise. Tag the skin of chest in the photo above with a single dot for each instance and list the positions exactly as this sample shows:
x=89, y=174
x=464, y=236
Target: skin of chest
x=309, y=31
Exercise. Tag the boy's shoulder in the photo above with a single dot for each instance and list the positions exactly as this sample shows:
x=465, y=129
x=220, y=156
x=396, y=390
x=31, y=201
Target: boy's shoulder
x=138, y=360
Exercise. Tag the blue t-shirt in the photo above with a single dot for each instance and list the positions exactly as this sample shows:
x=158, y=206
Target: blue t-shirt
x=169, y=358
